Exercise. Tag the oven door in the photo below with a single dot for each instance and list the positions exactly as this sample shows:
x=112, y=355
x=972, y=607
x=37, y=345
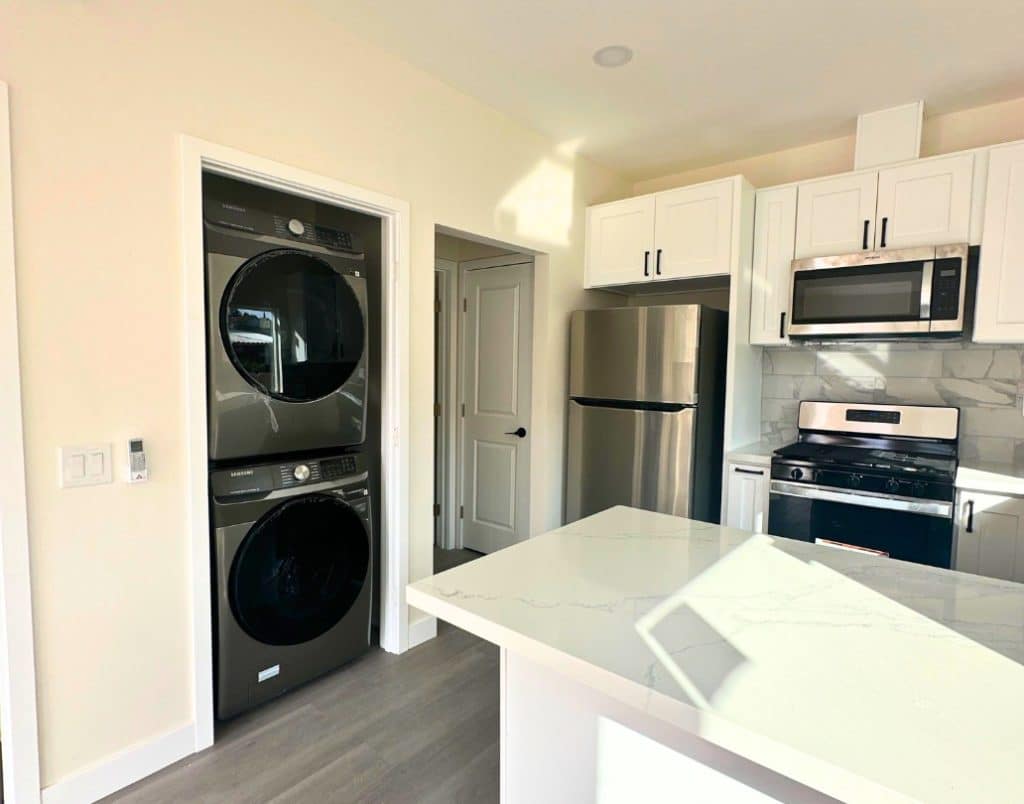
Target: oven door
x=864, y=299
x=910, y=530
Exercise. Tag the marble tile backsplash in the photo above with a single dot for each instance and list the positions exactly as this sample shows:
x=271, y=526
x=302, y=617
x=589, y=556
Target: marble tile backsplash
x=983, y=381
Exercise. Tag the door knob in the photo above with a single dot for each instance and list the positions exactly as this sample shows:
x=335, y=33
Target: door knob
x=518, y=433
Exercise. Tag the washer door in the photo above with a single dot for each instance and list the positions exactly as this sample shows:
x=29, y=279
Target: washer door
x=291, y=325
x=299, y=570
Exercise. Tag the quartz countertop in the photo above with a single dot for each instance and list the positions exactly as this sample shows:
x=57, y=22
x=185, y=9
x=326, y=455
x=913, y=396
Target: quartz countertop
x=990, y=477
x=759, y=452
x=866, y=678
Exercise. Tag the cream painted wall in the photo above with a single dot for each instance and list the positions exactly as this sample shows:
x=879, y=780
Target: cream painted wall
x=459, y=249
x=100, y=92
x=971, y=128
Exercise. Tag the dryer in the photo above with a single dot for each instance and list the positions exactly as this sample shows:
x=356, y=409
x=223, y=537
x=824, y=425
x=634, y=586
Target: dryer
x=292, y=552
x=286, y=334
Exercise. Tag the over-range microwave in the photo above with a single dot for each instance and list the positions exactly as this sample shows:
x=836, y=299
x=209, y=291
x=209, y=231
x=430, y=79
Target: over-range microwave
x=879, y=294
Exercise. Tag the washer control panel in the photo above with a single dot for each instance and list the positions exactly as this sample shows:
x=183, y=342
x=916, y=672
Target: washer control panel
x=252, y=481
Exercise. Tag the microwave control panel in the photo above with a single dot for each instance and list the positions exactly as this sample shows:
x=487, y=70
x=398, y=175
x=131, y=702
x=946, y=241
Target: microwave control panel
x=946, y=279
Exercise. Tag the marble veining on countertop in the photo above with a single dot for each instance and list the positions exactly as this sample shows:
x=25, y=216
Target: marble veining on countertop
x=865, y=678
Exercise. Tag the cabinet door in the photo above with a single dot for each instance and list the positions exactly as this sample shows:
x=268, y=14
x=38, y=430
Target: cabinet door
x=747, y=500
x=990, y=537
x=620, y=238
x=925, y=203
x=774, y=240
x=693, y=231
x=999, y=313
x=832, y=214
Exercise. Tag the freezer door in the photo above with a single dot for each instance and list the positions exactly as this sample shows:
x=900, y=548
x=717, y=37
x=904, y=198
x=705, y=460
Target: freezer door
x=646, y=354
x=642, y=458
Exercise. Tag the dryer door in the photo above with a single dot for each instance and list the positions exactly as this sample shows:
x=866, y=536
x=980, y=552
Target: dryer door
x=299, y=570
x=292, y=325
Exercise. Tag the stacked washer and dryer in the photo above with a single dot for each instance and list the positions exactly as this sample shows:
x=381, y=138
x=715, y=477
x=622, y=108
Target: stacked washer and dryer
x=290, y=502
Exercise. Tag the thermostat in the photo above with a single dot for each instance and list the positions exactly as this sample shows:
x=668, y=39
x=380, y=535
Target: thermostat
x=138, y=469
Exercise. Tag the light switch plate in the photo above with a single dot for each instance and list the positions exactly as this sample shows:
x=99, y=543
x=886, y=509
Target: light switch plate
x=85, y=466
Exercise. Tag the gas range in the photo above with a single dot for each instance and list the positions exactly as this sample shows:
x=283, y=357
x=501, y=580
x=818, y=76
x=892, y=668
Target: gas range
x=880, y=478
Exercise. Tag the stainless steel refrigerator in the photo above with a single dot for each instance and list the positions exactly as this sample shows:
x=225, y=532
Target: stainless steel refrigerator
x=647, y=410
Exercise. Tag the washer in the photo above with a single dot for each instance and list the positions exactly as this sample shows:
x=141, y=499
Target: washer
x=286, y=334
x=292, y=546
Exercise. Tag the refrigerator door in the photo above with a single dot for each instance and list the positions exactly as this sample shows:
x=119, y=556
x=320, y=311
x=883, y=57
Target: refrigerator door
x=641, y=354
x=624, y=456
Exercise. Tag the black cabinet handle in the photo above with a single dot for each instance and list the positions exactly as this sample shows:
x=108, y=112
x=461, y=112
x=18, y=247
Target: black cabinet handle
x=782, y=325
x=742, y=471
x=970, y=516
x=657, y=262
x=647, y=256
x=519, y=432
x=885, y=223
x=866, y=224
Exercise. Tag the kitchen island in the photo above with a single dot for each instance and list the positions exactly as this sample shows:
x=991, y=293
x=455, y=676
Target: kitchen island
x=646, y=657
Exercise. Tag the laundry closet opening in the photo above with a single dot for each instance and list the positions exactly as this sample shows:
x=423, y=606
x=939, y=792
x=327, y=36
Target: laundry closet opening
x=483, y=350
x=294, y=367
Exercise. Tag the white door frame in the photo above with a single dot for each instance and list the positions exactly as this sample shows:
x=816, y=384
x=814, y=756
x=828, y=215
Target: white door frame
x=520, y=258
x=447, y=355
x=19, y=734
x=197, y=156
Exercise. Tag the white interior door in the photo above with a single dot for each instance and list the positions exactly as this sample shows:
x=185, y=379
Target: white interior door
x=836, y=216
x=497, y=368
x=693, y=231
x=925, y=203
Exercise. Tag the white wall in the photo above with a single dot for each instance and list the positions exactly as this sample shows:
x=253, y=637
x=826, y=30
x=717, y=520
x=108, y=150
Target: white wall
x=100, y=92
x=956, y=131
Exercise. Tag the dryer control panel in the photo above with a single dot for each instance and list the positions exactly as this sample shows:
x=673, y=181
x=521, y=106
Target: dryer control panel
x=263, y=479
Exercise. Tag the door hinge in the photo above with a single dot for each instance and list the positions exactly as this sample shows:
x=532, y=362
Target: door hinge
x=437, y=305
x=462, y=512
x=437, y=410
x=465, y=305
x=437, y=509
x=463, y=410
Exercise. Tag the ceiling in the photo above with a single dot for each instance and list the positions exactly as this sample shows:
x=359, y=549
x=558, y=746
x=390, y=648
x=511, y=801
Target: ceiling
x=711, y=80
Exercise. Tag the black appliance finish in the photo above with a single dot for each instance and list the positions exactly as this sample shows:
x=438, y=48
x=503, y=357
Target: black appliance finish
x=875, y=478
x=286, y=334
x=292, y=556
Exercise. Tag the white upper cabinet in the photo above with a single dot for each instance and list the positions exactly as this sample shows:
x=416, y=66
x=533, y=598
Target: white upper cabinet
x=693, y=231
x=835, y=216
x=620, y=242
x=925, y=203
x=676, y=234
x=774, y=241
x=999, y=312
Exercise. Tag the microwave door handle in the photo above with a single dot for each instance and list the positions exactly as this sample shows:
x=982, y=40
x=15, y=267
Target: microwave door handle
x=926, y=289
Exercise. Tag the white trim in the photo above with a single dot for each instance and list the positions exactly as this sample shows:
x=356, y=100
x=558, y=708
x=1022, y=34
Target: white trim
x=422, y=630
x=198, y=155
x=448, y=358
x=18, y=727
x=123, y=768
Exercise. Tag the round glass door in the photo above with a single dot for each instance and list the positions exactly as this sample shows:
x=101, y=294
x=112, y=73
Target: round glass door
x=299, y=570
x=292, y=325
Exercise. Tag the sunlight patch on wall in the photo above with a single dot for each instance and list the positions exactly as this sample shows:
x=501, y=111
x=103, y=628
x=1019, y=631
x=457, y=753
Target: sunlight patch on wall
x=539, y=206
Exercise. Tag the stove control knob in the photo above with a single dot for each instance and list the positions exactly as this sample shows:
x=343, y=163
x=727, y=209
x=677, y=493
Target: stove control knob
x=301, y=473
x=796, y=474
x=296, y=227
x=892, y=485
x=855, y=481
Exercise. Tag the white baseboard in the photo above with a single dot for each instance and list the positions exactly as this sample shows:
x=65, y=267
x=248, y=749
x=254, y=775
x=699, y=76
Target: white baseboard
x=123, y=768
x=422, y=630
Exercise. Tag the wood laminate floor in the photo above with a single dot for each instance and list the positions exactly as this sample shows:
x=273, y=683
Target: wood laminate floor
x=420, y=727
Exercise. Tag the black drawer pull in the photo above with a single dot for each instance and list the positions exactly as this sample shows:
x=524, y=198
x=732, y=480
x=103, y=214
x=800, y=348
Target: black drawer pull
x=866, y=224
x=647, y=256
x=970, y=516
x=885, y=223
x=740, y=470
x=657, y=262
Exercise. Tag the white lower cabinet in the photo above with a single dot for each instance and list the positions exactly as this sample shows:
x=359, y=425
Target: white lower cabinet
x=747, y=497
x=990, y=535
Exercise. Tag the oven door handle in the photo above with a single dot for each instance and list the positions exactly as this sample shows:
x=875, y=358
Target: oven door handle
x=939, y=508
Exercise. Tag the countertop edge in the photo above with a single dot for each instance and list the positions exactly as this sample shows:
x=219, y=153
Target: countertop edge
x=827, y=778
